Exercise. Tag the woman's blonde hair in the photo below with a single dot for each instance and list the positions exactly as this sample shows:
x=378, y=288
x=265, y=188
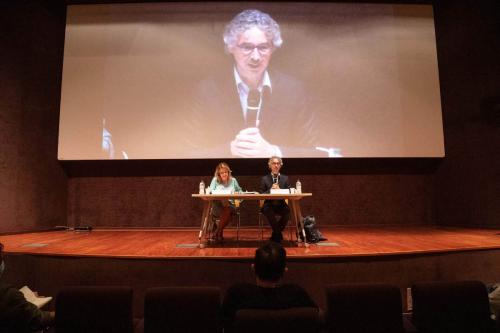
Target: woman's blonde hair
x=219, y=167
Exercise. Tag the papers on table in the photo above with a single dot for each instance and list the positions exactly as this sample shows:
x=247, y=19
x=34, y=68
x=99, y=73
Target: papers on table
x=280, y=191
x=222, y=191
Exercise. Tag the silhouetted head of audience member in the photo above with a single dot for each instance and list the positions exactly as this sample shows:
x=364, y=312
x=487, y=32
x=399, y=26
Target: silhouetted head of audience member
x=270, y=262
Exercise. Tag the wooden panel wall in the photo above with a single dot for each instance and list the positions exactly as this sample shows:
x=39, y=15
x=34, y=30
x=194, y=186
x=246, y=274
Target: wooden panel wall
x=166, y=201
x=33, y=186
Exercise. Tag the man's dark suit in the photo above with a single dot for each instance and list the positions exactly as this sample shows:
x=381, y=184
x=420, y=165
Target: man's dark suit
x=271, y=208
x=286, y=119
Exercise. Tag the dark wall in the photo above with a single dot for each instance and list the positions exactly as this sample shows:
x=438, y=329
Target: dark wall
x=468, y=180
x=33, y=186
x=166, y=201
x=462, y=189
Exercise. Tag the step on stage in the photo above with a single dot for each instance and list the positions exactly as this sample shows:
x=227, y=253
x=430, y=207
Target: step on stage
x=144, y=258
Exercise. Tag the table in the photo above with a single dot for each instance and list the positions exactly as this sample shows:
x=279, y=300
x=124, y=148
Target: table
x=293, y=201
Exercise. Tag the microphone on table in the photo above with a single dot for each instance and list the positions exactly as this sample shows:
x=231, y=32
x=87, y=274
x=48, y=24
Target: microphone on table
x=253, y=104
x=65, y=227
x=84, y=228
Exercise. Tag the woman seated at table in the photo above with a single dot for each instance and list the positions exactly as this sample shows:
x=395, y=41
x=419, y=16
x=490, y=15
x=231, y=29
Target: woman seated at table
x=223, y=209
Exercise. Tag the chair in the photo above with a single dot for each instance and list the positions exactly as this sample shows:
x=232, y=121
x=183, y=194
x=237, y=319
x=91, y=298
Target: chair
x=214, y=221
x=261, y=224
x=277, y=321
x=93, y=309
x=182, y=309
x=362, y=308
x=446, y=307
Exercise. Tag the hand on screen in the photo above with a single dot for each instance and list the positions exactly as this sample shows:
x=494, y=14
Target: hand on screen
x=250, y=143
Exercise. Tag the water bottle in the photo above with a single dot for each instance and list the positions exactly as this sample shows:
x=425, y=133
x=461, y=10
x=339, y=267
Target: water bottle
x=298, y=186
x=202, y=187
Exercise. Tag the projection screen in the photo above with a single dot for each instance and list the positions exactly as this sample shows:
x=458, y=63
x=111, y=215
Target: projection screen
x=228, y=80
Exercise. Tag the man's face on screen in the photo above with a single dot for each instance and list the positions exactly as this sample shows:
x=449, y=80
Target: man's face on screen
x=252, y=54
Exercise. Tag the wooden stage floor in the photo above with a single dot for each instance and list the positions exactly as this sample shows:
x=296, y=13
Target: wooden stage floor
x=182, y=243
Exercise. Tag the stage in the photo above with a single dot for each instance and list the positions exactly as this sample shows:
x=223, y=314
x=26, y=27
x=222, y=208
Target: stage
x=183, y=243
x=144, y=258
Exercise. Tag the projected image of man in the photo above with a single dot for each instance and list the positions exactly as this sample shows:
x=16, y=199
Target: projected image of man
x=265, y=111
x=251, y=38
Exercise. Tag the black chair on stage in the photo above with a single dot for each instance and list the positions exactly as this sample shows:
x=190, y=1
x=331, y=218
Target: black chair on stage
x=182, y=309
x=364, y=308
x=92, y=309
x=277, y=321
x=451, y=307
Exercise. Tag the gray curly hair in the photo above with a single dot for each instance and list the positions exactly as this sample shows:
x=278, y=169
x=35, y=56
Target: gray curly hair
x=248, y=19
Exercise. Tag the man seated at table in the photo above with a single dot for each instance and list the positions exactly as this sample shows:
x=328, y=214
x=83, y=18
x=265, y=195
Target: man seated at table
x=269, y=292
x=271, y=208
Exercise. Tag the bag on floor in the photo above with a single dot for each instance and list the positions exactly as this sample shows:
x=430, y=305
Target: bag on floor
x=313, y=235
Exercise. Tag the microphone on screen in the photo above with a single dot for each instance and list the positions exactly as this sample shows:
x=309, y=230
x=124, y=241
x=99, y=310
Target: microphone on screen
x=253, y=103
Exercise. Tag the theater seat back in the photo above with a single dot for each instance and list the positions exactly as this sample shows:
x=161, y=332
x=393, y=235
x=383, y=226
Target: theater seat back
x=362, y=308
x=455, y=307
x=182, y=309
x=94, y=309
x=277, y=321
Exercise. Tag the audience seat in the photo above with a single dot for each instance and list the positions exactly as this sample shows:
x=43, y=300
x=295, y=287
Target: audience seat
x=182, y=309
x=364, y=308
x=93, y=309
x=451, y=307
x=277, y=321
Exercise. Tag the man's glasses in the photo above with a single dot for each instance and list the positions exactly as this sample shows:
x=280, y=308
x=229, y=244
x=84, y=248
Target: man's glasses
x=248, y=48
